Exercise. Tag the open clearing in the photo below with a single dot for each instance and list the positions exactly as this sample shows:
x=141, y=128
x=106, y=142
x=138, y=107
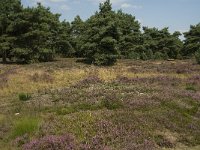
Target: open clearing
x=131, y=105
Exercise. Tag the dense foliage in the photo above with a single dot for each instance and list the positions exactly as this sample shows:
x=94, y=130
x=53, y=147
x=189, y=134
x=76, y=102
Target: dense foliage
x=36, y=34
x=192, y=41
x=101, y=36
x=197, y=56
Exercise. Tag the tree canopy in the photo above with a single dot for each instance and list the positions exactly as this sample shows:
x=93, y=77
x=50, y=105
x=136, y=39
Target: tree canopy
x=192, y=40
x=35, y=34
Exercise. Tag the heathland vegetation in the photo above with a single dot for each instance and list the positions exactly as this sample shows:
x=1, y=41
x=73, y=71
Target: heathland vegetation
x=142, y=91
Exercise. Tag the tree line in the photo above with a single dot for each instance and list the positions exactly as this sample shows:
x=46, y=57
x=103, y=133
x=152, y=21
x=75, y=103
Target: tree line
x=35, y=34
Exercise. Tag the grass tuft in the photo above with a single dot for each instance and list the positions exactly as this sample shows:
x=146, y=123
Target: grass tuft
x=25, y=126
x=24, y=96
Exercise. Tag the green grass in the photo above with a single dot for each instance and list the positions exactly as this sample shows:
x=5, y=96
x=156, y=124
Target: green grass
x=110, y=105
x=26, y=125
x=24, y=96
x=191, y=87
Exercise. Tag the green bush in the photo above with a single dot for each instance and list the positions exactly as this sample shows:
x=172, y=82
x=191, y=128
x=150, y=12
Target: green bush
x=144, y=56
x=191, y=87
x=197, y=56
x=133, y=55
x=104, y=59
x=112, y=105
x=158, y=56
x=25, y=126
x=24, y=96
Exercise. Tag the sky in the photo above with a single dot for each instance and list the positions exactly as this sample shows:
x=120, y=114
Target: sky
x=178, y=15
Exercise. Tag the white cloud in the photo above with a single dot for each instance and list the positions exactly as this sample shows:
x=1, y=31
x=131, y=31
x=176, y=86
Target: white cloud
x=121, y=3
x=65, y=7
x=115, y=2
x=55, y=1
x=46, y=1
x=140, y=20
x=127, y=5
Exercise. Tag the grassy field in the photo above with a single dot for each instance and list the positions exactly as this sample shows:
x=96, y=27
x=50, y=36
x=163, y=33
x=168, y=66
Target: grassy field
x=69, y=105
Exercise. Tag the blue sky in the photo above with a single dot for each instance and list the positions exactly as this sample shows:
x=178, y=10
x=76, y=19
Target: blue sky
x=175, y=14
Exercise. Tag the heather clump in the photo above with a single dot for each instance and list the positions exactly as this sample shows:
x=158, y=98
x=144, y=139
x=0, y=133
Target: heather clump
x=90, y=80
x=52, y=142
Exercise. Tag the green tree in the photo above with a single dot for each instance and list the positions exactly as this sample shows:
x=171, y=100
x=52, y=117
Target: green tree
x=38, y=34
x=77, y=29
x=8, y=12
x=101, y=36
x=65, y=40
x=162, y=42
x=197, y=56
x=130, y=35
x=192, y=40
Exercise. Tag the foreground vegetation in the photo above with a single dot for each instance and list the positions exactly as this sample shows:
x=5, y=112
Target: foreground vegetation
x=131, y=105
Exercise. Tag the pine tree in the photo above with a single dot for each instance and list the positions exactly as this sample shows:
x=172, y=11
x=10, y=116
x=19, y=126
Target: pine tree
x=38, y=35
x=65, y=40
x=130, y=35
x=162, y=42
x=8, y=11
x=101, y=36
x=77, y=29
x=192, y=40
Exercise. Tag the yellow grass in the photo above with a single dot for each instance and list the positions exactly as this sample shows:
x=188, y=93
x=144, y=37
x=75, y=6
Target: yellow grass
x=21, y=81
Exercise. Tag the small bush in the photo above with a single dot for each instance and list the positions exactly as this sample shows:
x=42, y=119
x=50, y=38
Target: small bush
x=158, y=56
x=24, y=96
x=66, y=110
x=144, y=56
x=110, y=104
x=133, y=55
x=25, y=126
x=197, y=56
x=191, y=87
x=163, y=142
x=104, y=59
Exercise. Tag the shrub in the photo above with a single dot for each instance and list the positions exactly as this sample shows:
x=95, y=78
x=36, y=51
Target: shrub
x=52, y=142
x=149, y=54
x=25, y=126
x=133, y=55
x=158, y=56
x=144, y=56
x=104, y=59
x=197, y=56
x=24, y=96
x=66, y=110
x=163, y=142
x=191, y=87
x=111, y=104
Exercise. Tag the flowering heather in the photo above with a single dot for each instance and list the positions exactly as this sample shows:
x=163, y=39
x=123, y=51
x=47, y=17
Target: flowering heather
x=134, y=105
x=52, y=142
